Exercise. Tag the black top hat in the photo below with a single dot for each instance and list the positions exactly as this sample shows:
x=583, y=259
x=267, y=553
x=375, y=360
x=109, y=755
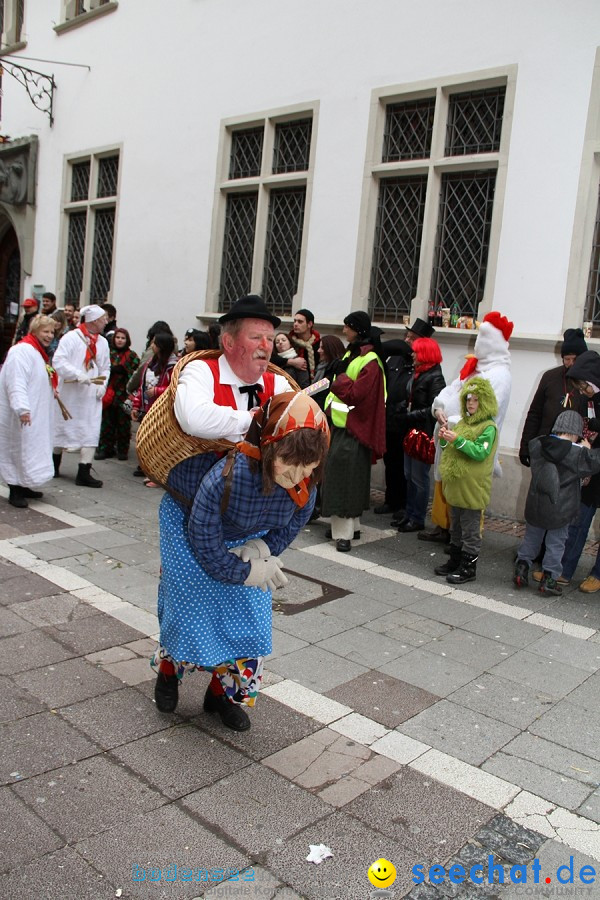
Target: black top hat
x=250, y=307
x=422, y=328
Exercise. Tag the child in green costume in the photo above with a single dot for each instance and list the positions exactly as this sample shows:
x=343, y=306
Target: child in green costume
x=466, y=467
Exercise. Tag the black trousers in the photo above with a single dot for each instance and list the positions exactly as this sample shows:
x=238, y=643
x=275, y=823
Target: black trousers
x=393, y=460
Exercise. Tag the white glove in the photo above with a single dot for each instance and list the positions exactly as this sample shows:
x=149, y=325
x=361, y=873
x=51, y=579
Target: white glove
x=255, y=549
x=266, y=574
x=100, y=392
x=84, y=378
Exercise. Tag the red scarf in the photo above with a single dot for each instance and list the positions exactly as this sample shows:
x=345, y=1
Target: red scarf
x=33, y=342
x=90, y=345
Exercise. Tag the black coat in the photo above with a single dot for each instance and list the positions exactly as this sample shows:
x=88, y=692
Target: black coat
x=399, y=372
x=422, y=391
x=587, y=368
x=547, y=403
x=557, y=467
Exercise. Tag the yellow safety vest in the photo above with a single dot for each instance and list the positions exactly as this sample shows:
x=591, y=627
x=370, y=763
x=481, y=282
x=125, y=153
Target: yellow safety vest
x=339, y=410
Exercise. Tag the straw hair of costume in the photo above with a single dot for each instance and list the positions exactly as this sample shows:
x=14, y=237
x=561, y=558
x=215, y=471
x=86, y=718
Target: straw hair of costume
x=160, y=442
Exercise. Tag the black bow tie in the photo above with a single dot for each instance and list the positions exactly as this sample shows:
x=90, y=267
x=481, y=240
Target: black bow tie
x=252, y=391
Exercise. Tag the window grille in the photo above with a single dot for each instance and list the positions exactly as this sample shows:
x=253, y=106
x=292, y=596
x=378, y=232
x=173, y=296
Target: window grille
x=284, y=243
x=108, y=172
x=246, y=153
x=592, y=299
x=20, y=17
x=462, y=244
x=398, y=232
x=475, y=122
x=80, y=181
x=104, y=233
x=292, y=146
x=238, y=248
x=75, y=257
x=408, y=129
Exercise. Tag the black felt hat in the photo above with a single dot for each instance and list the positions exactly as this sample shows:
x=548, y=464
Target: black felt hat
x=250, y=307
x=422, y=328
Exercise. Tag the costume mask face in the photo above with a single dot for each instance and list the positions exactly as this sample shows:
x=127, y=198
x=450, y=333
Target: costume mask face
x=288, y=475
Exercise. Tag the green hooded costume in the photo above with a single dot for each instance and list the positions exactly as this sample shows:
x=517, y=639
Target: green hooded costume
x=467, y=464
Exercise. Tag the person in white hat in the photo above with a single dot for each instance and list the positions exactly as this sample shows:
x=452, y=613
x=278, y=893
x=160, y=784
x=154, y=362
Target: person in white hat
x=82, y=361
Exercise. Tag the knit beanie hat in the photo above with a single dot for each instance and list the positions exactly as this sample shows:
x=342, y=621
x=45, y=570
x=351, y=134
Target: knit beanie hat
x=568, y=422
x=360, y=322
x=574, y=342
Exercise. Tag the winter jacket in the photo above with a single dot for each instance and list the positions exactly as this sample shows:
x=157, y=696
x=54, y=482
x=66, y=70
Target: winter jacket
x=365, y=396
x=467, y=464
x=422, y=390
x=553, y=395
x=399, y=371
x=587, y=368
x=557, y=467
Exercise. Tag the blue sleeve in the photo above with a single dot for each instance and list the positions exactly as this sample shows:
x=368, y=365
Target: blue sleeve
x=280, y=538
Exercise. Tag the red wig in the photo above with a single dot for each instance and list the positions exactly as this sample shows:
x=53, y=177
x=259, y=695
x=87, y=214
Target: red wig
x=427, y=352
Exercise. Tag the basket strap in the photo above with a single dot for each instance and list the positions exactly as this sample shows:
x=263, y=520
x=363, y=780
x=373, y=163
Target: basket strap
x=227, y=474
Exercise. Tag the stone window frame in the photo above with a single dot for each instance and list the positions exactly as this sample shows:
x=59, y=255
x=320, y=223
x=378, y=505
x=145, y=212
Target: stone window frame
x=11, y=39
x=90, y=205
x=434, y=167
x=261, y=183
x=70, y=17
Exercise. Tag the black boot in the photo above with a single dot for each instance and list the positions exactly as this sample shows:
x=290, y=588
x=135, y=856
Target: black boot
x=166, y=692
x=85, y=478
x=16, y=497
x=31, y=495
x=467, y=570
x=521, y=574
x=232, y=715
x=57, y=459
x=452, y=565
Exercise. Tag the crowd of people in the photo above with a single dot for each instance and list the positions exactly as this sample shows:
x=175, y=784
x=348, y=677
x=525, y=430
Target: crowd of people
x=225, y=518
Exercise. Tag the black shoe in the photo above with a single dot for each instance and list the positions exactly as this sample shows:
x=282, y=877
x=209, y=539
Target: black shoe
x=398, y=518
x=329, y=536
x=16, y=497
x=549, y=585
x=123, y=456
x=57, y=459
x=31, y=495
x=521, y=576
x=139, y=473
x=409, y=525
x=383, y=510
x=85, y=478
x=452, y=565
x=437, y=536
x=166, y=692
x=232, y=715
x=343, y=546
x=467, y=570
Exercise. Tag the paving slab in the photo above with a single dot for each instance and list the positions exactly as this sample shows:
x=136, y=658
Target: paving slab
x=38, y=744
x=27, y=586
x=80, y=800
x=257, y=808
x=363, y=646
x=317, y=669
x=23, y=835
x=590, y=808
x=586, y=695
x=284, y=643
x=462, y=733
x=382, y=698
x=504, y=629
x=403, y=622
x=570, y=726
x=63, y=873
x=476, y=651
x=89, y=635
x=23, y=651
x=180, y=759
x=118, y=717
x=139, y=849
x=552, y=855
x=430, y=819
x=16, y=702
x=53, y=610
x=309, y=623
x=540, y=673
x=355, y=846
x=444, y=609
x=550, y=755
x=66, y=682
x=563, y=791
x=11, y=623
x=569, y=650
x=436, y=674
x=503, y=700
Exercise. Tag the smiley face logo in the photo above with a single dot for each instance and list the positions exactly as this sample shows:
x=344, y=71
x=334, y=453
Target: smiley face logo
x=381, y=873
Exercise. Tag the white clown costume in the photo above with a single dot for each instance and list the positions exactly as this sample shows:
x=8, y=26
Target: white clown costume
x=82, y=398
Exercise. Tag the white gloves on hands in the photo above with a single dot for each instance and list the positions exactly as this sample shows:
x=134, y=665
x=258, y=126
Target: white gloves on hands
x=100, y=392
x=255, y=549
x=266, y=574
x=84, y=378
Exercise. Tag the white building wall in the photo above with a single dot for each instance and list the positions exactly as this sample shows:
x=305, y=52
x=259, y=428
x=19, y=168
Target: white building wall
x=164, y=76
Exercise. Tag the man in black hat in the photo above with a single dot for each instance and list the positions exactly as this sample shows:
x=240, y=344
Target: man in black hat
x=419, y=329
x=215, y=397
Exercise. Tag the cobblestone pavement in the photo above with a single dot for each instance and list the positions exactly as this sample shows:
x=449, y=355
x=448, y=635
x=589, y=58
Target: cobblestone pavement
x=401, y=719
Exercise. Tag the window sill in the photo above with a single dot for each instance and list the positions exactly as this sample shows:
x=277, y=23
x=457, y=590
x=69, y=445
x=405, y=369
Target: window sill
x=13, y=48
x=86, y=17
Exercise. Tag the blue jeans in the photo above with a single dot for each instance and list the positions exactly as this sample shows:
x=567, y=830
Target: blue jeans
x=578, y=532
x=555, y=545
x=417, y=488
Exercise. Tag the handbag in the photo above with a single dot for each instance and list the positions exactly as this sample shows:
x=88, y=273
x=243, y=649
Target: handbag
x=418, y=445
x=108, y=398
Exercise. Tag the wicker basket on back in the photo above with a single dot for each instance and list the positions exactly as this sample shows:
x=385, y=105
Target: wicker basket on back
x=160, y=442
